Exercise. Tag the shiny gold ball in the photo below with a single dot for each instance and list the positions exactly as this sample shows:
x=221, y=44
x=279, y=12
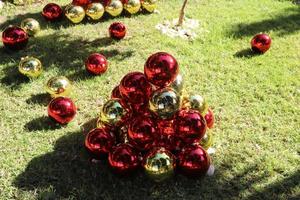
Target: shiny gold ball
x=195, y=102
x=165, y=102
x=159, y=164
x=31, y=26
x=95, y=11
x=149, y=5
x=30, y=66
x=114, y=8
x=58, y=86
x=75, y=13
x=112, y=112
x=207, y=140
x=177, y=85
x=132, y=6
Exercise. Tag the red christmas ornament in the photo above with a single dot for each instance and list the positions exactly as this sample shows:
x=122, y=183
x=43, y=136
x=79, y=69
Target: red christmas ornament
x=15, y=38
x=193, y=161
x=62, y=110
x=161, y=69
x=116, y=93
x=117, y=30
x=261, y=43
x=82, y=3
x=141, y=132
x=166, y=127
x=190, y=125
x=100, y=141
x=124, y=159
x=135, y=88
x=209, y=118
x=52, y=12
x=104, y=2
x=96, y=64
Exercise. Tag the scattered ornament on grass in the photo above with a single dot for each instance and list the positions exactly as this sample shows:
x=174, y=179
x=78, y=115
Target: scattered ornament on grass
x=58, y=86
x=95, y=11
x=31, y=26
x=75, y=13
x=14, y=38
x=117, y=30
x=30, y=66
x=62, y=110
x=114, y=8
x=132, y=6
x=261, y=43
x=149, y=5
x=96, y=64
x=52, y=12
x=186, y=31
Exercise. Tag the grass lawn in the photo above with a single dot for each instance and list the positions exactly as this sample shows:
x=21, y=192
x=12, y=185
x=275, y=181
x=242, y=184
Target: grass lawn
x=255, y=100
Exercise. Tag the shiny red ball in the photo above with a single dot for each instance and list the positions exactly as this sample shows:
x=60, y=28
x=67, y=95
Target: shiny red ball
x=261, y=43
x=141, y=132
x=193, y=160
x=135, y=88
x=124, y=159
x=116, y=93
x=62, y=110
x=166, y=127
x=96, y=64
x=52, y=12
x=100, y=141
x=82, y=3
x=117, y=30
x=190, y=125
x=161, y=69
x=209, y=118
x=15, y=38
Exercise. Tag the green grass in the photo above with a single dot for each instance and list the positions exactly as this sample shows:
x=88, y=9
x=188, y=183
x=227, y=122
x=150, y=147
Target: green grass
x=255, y=100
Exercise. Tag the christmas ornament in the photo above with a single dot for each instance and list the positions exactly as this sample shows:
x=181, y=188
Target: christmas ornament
x=52, y=12
x=116, y=93
x=209, y=118
x=132, y=6
x=113, y=112
x=75, y=13
x=114, y=8
x=161, y=69
x=141, y=132
x=117, y=30
x=177, y=85
x=58, y=86
x=62, y=110
x=193, y=161
x=159, y=164
x=261, y=43
x=99, y=142
x=31, y=26
x=30, y=66
x=190, y=125
x=82, y=3
x=14, y=38
x=95, y=11
x=196, y=102
x=165, y=102
x=149, y=5
x=166, y=127
x=124, y=159
x=96, y=64
x=135, y=88
x=207, y=140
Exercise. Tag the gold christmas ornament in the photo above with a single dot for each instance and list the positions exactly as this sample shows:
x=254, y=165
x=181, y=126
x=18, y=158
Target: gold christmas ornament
x=132, y=6
x=95, y=11
x=177, y=85
x=31, y=26
x=207, y=140
x=30, y=66
x=149, y=5
x=114, y=8
x=159, y=164
x=165, y=102
x=195, y=102
x=58, y=86
x=112, y=112
x=75, y=13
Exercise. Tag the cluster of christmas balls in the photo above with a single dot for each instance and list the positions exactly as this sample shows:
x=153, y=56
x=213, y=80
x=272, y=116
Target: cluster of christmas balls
x=94, y=9
x=148, y=123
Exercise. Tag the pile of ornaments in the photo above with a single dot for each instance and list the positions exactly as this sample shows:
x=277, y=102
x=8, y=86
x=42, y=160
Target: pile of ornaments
x=149, y=124
x=94, y=9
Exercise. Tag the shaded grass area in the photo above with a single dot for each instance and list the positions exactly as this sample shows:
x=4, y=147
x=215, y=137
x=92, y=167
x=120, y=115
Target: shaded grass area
x=255, y=99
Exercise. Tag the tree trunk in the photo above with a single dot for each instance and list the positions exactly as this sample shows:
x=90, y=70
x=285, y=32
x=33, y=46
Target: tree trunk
x=181, y=16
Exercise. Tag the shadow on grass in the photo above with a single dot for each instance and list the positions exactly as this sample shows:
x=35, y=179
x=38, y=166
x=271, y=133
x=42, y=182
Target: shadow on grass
x=42, y=123
x=41, y=99
x=285, y=23
x=246, y=53
x=67, y=172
